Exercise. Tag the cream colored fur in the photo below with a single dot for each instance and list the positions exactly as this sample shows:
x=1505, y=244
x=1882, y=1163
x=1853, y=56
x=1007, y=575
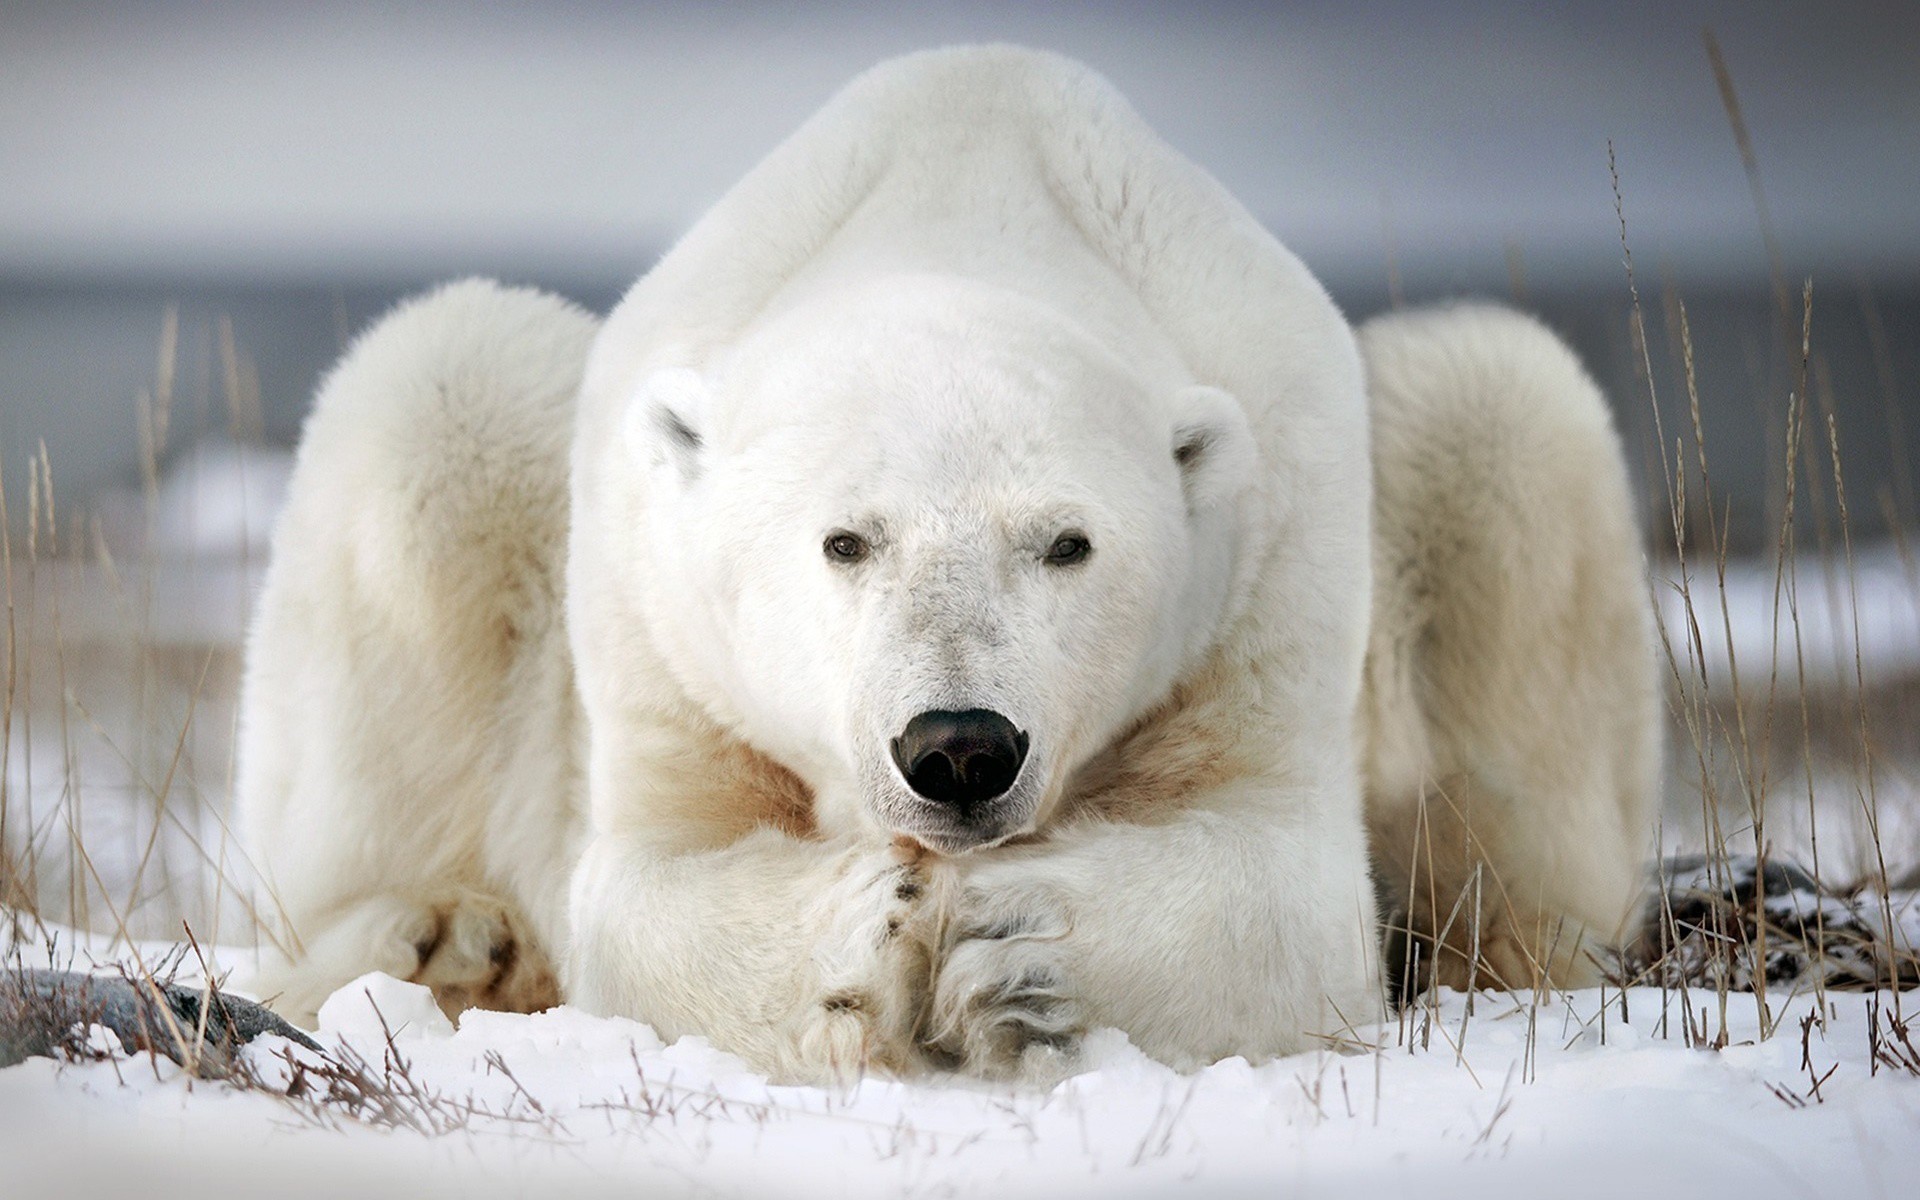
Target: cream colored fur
x=1511, y=711
x=407, y=690
x=507, y=709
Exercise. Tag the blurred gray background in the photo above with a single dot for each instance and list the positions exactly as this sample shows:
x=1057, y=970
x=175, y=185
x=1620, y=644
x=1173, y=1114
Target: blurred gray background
x=281, y=171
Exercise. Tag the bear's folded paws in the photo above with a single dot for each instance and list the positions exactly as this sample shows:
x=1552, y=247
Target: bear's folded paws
x=866, y=991
x=1003, y=1004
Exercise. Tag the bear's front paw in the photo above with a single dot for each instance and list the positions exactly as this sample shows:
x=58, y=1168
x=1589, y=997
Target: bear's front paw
x=869, y=969
x=474, y=953
x=1002, y=1001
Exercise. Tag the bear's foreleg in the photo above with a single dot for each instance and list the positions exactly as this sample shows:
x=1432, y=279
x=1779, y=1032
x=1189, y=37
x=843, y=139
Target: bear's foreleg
x=1242, y=927
x=809, y=959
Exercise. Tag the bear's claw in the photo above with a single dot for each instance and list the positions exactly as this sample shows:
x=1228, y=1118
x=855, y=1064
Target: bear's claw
x=1002, y=1006
x=869, y=969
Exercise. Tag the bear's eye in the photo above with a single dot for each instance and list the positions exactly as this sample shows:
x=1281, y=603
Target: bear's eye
x=1068, y=550
x=844, y=547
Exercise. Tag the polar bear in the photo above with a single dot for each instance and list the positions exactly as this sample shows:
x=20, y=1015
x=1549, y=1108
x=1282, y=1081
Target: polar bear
x=965, y=594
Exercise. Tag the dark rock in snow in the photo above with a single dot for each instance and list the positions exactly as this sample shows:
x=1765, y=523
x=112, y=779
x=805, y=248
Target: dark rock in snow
x=46, y=1013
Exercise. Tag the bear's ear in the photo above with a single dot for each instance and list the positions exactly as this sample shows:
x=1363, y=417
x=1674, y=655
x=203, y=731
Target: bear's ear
x=665, y=418
x=1212, y=445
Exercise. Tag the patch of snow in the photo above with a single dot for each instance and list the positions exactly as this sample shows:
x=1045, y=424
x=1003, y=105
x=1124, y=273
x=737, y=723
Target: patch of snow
x=216, y=499
x=101, y=1040
x=377, y=1005
x=1868, y=620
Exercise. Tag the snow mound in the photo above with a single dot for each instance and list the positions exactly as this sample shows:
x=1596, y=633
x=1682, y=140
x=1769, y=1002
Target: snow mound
x=378, y=1005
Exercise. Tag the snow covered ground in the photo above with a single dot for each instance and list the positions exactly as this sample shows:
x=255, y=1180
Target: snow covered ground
x=1573, y=1095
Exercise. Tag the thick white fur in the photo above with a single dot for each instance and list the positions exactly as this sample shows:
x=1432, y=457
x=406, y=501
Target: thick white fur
x=971, y=303
x=408, y=694
x=1511, y=711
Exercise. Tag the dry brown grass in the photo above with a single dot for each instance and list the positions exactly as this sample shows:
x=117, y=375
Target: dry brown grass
x=1759, y=738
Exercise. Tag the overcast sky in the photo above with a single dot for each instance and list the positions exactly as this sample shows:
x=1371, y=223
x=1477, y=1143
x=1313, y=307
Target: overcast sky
x=284, y=141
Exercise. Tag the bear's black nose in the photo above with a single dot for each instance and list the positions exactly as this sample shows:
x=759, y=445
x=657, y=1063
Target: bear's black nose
x=960, y=759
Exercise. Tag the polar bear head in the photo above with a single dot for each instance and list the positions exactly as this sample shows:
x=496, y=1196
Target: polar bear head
x=933, y=546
